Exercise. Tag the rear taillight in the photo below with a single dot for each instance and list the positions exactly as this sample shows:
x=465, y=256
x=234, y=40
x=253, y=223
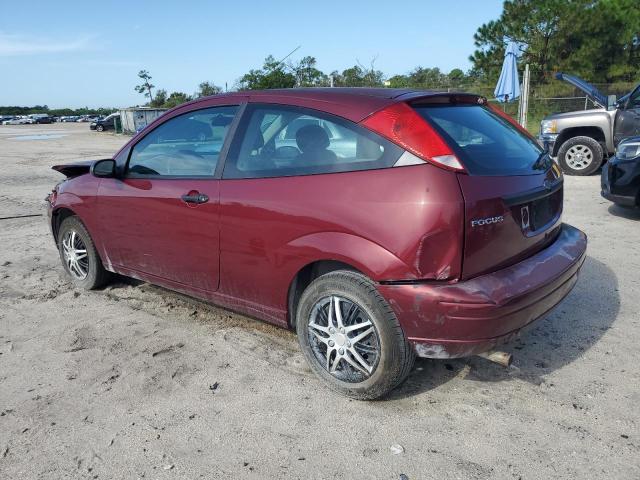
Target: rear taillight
x=403, y=126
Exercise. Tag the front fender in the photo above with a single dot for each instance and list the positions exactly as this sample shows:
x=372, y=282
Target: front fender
x=79, y=196
x=569, y=126
x=370, y=258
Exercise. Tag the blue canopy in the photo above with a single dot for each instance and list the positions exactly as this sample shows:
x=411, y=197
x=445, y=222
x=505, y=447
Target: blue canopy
x=508, y=87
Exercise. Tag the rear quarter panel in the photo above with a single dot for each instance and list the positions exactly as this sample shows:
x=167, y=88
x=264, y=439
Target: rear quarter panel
x=392, y=224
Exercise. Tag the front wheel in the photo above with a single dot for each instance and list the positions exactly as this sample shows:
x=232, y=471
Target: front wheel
x=351, y=337
x=100, y=128
x=580, y=156
x=79, y=256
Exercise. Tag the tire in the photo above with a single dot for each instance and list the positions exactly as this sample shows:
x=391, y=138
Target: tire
x=385, y=350
x=580, y=156
x=100, y=128
x=73, y=233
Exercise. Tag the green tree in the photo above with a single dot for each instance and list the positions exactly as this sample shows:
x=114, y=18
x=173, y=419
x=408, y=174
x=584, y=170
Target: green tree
x=359, y=76
x=603, y=44
x=160, y=98
x=399, y=81
x=456, y=77
x=271, y=75
x=594, y=38
x=206, y=89
x=306, y=73
x=176, y=98
x=146, y=85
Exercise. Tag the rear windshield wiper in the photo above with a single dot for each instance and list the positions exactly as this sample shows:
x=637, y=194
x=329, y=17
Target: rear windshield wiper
x=542, y=162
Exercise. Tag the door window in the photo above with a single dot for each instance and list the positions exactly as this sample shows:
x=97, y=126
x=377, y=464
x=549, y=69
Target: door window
x=185, y=146
x=278, y=141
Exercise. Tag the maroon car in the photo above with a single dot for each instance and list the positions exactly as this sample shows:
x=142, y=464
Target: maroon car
x=377, y=223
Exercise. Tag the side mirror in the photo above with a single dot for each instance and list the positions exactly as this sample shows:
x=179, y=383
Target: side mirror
x=104, y=168
x=612, y=102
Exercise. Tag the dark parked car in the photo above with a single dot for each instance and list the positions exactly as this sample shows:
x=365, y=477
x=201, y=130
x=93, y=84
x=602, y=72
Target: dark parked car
x=42, y=119
x=377, y=223
x=107, y=123
x=621, y=175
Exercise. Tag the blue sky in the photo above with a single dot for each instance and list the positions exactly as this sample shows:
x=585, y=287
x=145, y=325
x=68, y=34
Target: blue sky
x=82, y=53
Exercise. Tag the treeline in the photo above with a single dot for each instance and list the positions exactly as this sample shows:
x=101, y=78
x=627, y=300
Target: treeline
x=305, y=73
x=57, y=112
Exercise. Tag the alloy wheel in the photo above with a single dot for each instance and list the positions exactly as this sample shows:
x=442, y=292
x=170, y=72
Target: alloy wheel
x=343, y=339
x=75, y=255
x=579, y=157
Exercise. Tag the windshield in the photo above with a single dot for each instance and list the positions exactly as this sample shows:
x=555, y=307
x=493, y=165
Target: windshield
x=486, y=143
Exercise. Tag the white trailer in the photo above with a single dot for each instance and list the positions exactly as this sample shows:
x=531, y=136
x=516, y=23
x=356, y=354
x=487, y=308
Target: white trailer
x=136, y=118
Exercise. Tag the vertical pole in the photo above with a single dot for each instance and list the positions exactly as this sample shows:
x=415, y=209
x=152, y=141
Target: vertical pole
x=331, y=81
x=524, y=109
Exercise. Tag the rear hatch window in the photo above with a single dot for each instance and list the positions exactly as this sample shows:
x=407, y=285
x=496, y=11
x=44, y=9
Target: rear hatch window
x=486, y=143
x=512, y=190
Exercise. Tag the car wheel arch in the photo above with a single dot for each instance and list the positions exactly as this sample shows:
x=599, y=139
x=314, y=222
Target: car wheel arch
x=338, y=251
x=303, y=278
x=590, y=131
x=59, y=214
x=57, y=217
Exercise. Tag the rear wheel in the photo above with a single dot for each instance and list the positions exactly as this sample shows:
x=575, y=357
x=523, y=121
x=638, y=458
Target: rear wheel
x=580, y=156
x=351, y=337
x=79, y=256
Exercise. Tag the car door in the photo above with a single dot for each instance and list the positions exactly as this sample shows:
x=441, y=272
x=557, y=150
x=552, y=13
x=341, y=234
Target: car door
x=161, y=218
x=627, y=122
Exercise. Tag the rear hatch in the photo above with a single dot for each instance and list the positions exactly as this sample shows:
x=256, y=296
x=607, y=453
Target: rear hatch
x=511, y=188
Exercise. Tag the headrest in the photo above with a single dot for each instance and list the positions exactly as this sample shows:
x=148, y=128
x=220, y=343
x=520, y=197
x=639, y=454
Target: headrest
x=221, y=121
x=312, y=137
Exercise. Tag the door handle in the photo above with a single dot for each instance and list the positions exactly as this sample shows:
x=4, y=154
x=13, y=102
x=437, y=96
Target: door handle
x=195, y=198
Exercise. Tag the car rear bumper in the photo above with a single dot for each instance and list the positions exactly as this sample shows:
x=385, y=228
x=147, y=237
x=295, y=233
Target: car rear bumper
x=473, y=316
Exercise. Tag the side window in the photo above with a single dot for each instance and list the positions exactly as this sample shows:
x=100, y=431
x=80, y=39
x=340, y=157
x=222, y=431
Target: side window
x=278, y=141
x=185, y=146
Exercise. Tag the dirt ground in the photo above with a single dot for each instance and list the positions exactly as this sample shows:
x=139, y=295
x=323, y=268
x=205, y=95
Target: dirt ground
x=134, y=381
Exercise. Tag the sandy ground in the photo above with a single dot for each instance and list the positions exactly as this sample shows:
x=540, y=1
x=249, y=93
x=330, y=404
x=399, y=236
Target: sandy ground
x=137, y=382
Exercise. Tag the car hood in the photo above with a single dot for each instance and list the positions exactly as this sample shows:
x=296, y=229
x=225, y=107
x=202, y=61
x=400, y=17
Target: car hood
x=75, y=169
x=590, y=91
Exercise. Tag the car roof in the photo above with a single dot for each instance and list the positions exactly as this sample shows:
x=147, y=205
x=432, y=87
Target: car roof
x=323, y=92
x=353, y=103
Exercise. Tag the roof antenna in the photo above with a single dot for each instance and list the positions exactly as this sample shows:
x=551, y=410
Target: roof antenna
x=287, y=56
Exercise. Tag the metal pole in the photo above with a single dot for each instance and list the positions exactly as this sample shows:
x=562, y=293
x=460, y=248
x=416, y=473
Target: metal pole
x=524, y=109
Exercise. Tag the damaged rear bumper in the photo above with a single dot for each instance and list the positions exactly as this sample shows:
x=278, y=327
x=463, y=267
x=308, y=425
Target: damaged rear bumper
x=473, y=316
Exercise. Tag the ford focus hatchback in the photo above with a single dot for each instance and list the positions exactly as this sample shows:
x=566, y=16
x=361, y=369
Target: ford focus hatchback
x=379, y=224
